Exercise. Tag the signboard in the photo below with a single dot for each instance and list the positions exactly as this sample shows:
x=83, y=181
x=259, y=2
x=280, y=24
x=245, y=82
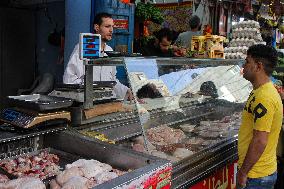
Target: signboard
x=120, y=24
x=89, y=46
x=224, y=178
x=159, y=180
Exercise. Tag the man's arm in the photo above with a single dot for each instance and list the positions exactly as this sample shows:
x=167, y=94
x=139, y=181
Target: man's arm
x=74, y=72
x=255, y=150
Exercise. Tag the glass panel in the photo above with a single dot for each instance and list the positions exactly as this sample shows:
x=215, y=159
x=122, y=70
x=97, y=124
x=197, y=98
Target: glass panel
x=184, y=108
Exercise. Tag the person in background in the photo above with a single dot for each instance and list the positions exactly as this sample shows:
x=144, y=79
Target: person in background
x=74, y=72
x=261, y=122
x=184, y=39
x=161, y=45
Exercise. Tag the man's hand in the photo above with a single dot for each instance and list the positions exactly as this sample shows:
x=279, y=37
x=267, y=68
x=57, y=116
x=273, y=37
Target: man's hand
x=129, y=96
x=179, y=51
x=241, y=178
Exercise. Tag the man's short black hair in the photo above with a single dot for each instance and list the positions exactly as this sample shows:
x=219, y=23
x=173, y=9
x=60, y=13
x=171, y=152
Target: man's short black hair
x=148, y=91
x=209, y=88
x=194, y=22
x=164, y=32
x=99, y=18
x=265, y=54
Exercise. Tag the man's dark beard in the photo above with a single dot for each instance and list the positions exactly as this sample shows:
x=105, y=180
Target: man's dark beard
x=104, y=40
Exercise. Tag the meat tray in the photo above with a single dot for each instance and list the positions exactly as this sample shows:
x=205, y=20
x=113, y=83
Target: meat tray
x=64, y=158
x=40, y=102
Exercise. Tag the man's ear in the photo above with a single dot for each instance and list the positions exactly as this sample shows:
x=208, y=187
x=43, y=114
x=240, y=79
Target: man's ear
x=96, y=28
x=260, y=66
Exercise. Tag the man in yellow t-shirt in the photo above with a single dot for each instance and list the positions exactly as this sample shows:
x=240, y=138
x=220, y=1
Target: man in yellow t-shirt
x=261, y=122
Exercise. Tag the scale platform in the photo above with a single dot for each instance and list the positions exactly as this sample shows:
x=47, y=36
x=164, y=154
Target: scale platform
x=102, y=91
x=36, y=111
x=30, y=119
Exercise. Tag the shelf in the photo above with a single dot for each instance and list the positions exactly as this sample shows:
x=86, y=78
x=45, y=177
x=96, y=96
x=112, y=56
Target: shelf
x=119, y=61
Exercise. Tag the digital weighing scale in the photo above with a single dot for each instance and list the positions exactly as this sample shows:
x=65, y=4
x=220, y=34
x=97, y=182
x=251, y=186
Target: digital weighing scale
x=36, y=110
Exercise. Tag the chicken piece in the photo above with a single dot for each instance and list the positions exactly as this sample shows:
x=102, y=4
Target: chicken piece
x=23, y=167
x=119, y=172
x=90, y=168
x=24, y=183
x=77, y=182
x=52, y=158
x=67, y=174
x=105, y=176
x=164, y=135
x=3, y=179
x=52, y=169
x=9, y=165
x=54, y=185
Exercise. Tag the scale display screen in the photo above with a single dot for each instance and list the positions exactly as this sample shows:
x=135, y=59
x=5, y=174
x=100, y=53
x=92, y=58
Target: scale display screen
x=15, y=117
x=90, y=46
x=11, y=115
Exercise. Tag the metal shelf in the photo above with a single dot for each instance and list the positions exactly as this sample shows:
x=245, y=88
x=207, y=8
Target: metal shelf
x=119, y=61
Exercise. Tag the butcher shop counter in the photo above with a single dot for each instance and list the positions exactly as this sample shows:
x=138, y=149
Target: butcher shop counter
x=93, y=164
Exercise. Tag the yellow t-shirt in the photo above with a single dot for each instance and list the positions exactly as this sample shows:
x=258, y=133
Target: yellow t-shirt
x=263, y=112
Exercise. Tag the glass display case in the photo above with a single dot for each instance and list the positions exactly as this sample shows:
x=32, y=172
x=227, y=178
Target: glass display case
x=185, y=110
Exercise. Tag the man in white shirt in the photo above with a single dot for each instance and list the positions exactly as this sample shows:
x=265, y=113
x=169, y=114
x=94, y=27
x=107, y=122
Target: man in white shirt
x=74, y=72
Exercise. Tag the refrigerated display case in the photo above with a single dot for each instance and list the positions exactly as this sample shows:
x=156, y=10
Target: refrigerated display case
x=128, y=169
x=197, y=101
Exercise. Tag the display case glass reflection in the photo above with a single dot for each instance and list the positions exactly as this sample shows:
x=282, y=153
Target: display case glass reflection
x=185, y=107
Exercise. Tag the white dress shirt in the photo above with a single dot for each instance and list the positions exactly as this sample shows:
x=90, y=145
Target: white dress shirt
x=75, y=71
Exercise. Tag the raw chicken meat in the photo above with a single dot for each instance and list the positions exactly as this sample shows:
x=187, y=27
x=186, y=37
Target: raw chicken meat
x=54, y=185
x=105, y=176
x=84, y=174
x=3, y=178
x=119, y=172
x=67, y=174
x=163, y=135
x=77, y=182
x=90, y=168
x=42, y=165
x=23, y=183
x=182, y=153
